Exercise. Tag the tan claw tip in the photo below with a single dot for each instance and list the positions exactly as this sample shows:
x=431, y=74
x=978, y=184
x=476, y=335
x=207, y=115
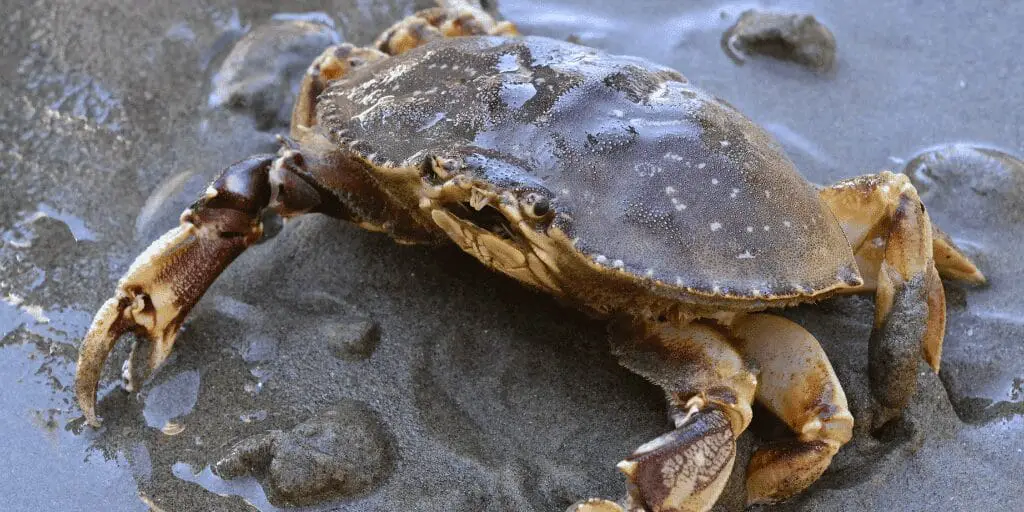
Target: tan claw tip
x=976, y=277
x=627, y=467
x=108, y=325
x=951, y=261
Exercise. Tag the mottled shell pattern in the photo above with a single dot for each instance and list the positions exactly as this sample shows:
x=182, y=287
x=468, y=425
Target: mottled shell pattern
x=644, y=174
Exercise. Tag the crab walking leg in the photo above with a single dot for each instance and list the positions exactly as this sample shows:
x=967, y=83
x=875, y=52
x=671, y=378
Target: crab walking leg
x=164, y=282
x=893, y=242
x=865, y=205
x=334, y=63
x=797, y=383
x=709, y=389
x=951, y=262
x=453, y=19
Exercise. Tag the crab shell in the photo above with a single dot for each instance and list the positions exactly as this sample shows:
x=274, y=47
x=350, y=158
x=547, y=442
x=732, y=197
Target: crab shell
x=607, y=180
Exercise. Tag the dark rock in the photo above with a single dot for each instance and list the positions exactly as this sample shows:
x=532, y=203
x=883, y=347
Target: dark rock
x=262, y=73
x=342, y=452
x=986, y=174
x=795, y=37
x=353, y=340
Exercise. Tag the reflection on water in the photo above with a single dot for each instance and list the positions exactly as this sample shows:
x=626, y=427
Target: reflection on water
x=61, y=325
x=22, y=234
x=246, y=488
x=76, y=478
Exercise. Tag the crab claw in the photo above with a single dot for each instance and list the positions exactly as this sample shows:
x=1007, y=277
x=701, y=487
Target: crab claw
x=152, y=300
x=161, y=286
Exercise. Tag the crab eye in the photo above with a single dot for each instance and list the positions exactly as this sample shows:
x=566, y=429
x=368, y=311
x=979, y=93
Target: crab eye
x=536, y=205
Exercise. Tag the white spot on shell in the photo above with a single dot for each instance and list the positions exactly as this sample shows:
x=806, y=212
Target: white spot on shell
x=787, y=223
x=618, y=113
x=715, y=226
x=649, y=272
x=618, y=264
x=565, y=191
x=767, y=227
x=714, y=181
x=735, y=191
x=601, y=258
x=767, y=194
x=746, y=255
x=669, y=190
x=750, y=229
x=702, y=165
x=724, y=143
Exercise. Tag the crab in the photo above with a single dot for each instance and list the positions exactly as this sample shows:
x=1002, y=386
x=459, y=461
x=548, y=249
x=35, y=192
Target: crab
x=612, y=183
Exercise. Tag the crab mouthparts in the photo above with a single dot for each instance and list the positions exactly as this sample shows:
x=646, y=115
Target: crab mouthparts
x=484, y=216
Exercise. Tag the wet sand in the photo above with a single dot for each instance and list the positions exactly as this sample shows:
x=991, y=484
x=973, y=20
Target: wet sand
x=490, y=396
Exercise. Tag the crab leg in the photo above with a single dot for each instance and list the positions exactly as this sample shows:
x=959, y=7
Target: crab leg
x=334, y=63
x=951, y=262
x=164, y=282
x=901, y=256
x=709, y=388
x=453, y=19
x=797, y=383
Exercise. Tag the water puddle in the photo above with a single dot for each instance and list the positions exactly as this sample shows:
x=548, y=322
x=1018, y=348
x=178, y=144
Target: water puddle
x=55, y=469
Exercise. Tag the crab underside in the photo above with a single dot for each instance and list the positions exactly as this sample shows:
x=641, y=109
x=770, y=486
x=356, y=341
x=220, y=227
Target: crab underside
x=682, y=270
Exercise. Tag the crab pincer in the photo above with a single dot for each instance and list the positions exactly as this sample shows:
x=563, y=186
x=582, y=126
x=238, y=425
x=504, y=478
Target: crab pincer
x=168, y=278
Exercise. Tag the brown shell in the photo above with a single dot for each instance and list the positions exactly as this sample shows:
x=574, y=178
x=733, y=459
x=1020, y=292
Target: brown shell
x=647, y=173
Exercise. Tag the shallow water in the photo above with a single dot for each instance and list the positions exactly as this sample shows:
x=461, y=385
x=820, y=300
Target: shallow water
x=105, y=136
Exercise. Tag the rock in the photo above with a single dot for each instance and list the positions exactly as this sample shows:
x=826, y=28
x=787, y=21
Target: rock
x=795, y=37
x=342, y=452
x=354, y=340
x=971, y=188
x=971, y=174
x=262, y=73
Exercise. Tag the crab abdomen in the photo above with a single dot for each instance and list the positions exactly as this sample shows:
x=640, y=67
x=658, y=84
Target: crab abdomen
x=650, y=174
